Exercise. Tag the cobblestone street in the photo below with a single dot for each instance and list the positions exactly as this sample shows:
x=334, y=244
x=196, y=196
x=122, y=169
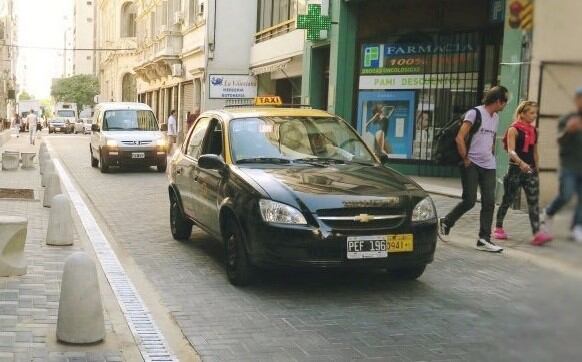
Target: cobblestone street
x=468, y=305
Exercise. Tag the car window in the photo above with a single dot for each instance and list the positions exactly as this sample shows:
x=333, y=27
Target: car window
x=65, y=113
x=196, y=137
x=213, y=141
x=130, y=120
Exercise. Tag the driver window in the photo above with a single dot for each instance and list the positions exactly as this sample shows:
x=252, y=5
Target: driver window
x=196, y=137
x=213, y=143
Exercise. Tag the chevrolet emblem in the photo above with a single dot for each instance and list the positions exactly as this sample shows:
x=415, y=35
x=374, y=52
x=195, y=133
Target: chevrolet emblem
x=364, y=218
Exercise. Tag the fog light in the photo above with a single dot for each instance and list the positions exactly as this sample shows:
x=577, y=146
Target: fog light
x=113, y=153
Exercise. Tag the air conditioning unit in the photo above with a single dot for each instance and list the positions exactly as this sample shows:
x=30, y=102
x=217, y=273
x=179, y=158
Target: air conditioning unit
x=178, y=18
x=176, y=70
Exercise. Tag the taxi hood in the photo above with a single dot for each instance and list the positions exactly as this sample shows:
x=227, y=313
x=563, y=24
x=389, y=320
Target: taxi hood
x=334, y=186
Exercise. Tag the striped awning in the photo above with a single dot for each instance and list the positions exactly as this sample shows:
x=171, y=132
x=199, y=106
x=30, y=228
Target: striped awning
x=271, y=67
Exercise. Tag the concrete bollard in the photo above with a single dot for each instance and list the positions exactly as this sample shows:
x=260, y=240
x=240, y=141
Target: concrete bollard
x=49, y=168
x=12, y=240
x=10, y=160
x=42, y=161
x=28, y=159
x=42, y=149
x=53, y=187
x=60, y=225
x=80, y=318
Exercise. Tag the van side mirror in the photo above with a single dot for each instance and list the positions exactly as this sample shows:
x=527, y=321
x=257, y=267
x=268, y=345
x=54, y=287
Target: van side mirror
x=95, y=127
x=164, y=127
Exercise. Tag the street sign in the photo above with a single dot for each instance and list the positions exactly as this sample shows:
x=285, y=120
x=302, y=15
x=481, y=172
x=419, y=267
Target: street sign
x=314, y=22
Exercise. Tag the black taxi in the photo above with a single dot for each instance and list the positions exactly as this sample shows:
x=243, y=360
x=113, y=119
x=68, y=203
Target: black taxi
x=297, y=187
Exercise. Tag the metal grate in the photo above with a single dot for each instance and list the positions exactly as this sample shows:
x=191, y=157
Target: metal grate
x=149, y=338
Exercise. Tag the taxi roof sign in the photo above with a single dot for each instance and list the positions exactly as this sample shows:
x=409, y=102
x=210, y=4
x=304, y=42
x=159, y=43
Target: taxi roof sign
x=268, y=101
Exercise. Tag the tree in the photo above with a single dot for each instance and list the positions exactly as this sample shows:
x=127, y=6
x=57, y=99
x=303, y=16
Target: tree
x=80, y=89
x=25, y=96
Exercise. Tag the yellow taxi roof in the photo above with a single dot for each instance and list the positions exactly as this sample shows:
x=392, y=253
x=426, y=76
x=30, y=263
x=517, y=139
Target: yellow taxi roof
x=247, y=112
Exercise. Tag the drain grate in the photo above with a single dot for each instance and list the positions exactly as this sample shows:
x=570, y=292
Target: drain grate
x=26, y=194
x=149, y=338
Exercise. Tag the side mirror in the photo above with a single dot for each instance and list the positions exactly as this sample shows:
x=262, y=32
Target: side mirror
x=211, y=162
x=95, y=127
x=164, y=127
x=384, y=158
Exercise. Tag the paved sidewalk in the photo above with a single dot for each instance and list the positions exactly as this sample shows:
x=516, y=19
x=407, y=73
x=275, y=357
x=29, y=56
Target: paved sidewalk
x=29, y=303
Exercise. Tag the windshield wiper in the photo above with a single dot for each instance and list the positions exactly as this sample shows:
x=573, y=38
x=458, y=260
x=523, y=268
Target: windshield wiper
x=319, y=160
x=275, y=160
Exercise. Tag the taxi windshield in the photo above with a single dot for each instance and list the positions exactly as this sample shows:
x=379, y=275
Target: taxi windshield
x=296, y=139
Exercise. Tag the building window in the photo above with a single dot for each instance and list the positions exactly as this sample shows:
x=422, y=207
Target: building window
x=195, y=7
x=88, y=57
x=274, y=12
x=89, y=3
x=89, y=20
x=128, y=15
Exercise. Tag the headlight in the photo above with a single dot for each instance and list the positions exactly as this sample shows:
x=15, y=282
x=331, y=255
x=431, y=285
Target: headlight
x=277, y=213
x=162, y=142
x=112, y=143
x=424, y=211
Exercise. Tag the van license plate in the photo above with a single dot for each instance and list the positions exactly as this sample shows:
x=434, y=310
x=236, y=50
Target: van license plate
x=138, y=155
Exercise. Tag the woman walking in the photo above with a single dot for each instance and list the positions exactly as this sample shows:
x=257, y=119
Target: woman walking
x=521, y=143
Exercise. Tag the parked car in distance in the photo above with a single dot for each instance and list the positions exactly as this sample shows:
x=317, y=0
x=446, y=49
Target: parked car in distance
x=125, y=134
x=284, y=187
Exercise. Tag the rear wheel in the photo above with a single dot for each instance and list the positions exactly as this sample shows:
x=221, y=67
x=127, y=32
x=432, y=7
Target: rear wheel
x=410, y=273
x=103, y=163
x=180, y=226
x=239, y=270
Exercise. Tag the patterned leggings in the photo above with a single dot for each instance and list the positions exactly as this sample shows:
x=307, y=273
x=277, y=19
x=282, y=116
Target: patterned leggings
x=531, y=186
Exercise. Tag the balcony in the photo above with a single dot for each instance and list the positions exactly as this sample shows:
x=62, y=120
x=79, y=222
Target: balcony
x=155, y=57
x=274, y=31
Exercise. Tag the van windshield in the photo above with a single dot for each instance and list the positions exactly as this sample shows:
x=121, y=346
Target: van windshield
x=130, y=120
x=66, y=113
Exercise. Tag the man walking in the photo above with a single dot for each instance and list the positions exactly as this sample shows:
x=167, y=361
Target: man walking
x=570, y=145
x=32, y=120
x=478, y=167
x=172, y=131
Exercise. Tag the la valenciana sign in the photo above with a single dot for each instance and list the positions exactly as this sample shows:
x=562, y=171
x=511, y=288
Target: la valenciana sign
x=232, y=86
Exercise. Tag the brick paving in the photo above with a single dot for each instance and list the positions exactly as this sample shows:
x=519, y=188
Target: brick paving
x=469, y=305
x=29, y=303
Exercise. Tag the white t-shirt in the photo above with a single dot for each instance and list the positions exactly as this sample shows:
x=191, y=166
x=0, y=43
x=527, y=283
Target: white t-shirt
x=31, y=119
x=481, y=150
x=172, y=126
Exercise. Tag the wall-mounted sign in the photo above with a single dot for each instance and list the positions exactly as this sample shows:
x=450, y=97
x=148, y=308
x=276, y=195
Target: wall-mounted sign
x=229, y=86
x=458, y=81
x=421, y=57
x=317, y=22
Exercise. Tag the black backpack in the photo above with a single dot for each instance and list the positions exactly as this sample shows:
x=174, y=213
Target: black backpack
x=445, y=150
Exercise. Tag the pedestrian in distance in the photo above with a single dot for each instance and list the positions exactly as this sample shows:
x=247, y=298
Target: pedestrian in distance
x=570, y=150
x=478, y=166
x=521, y=143
x=172, y=130
x=32, y=120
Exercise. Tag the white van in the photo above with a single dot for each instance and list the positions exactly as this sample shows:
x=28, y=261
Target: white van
x=124, y=134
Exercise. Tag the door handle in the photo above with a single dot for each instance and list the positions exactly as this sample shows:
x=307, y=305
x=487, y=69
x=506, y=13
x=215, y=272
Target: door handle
x=196, y=177
x=179, y=170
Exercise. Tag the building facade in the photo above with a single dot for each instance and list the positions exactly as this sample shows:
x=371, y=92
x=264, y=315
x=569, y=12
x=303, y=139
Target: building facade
x=84, y=60
x=8, y=57
x=193, y=55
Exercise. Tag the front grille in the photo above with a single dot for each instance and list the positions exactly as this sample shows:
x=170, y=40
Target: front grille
x=137, y=143
x=363, y=218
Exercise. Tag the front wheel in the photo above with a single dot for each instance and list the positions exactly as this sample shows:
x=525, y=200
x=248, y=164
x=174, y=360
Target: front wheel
x=161, y=167
x=94, y=161
x=410, y=273
x=180, y=226
x=239, y=270
x=103, y=163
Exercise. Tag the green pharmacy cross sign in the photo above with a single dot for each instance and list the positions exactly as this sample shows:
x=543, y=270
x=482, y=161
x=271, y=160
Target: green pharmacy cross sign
x=313, y=22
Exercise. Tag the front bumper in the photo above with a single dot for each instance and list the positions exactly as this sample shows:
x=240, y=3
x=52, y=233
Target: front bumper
x=120, y=156
x=311, y=247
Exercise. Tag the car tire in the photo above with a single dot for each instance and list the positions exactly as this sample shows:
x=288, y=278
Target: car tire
x=94, y=161
x=103, y=164
x=239, y=271
x=410, y=273
x=180, y=227
x=162, y=167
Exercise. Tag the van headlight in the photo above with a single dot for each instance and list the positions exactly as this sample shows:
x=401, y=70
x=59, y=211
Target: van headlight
x=161, y=142
x=424, y=211
x=278, y=213
x=112, y=143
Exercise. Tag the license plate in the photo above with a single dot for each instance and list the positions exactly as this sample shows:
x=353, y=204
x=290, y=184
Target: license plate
x=367, y=247
x=138, y=155
x=400, y=243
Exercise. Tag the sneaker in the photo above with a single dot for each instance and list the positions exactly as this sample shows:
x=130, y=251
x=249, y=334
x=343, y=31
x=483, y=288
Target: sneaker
x=577, y=233
x=485, y=245
x=541, y=237
x=547, y=224
x=444, y=229
x=500, y=234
